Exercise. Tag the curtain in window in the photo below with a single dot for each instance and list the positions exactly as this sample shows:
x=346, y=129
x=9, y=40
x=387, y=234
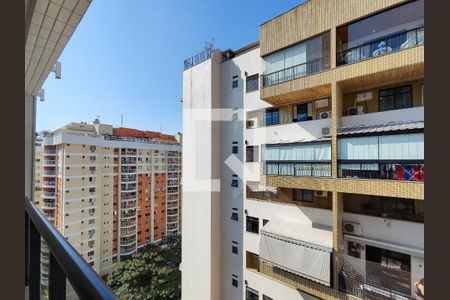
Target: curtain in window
x=272, y=169
x=402, y=146
x=286, y=169
x=358, y=148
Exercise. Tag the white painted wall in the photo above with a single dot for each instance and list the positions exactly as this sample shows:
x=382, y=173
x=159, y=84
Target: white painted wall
x=407, y=114
x=274, y=289
x=201, y=238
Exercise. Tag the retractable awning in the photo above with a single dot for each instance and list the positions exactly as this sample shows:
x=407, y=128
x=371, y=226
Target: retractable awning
x=298, y=247
x=255, y=186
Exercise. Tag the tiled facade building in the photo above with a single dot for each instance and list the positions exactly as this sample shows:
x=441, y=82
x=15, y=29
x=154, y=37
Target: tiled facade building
x=312, y=157
x=109, y=191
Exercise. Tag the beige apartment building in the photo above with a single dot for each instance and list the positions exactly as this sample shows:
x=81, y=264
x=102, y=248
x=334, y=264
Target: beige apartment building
x=109, y=191
x=317, y=191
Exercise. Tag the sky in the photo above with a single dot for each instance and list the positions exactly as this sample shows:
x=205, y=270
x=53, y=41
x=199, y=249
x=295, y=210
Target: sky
x=126, y=57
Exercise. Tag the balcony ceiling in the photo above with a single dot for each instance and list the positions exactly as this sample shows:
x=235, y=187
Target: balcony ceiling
x=49, y=24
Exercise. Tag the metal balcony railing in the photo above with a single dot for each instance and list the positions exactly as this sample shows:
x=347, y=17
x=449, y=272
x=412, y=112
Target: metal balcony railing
x=293, y=72
x=198, y=58
x=65, y=262
x=298, y=168
x=387, y=44
x=387, y=169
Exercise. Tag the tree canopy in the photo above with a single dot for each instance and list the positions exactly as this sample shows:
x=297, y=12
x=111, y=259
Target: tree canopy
x=152, y=273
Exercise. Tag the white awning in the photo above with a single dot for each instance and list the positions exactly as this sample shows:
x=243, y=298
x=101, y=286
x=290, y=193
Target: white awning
x=255, y=186
x=386, y=245
x=298, y=247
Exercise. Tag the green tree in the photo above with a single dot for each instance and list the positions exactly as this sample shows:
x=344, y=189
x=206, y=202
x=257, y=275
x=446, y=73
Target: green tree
x=152, y=273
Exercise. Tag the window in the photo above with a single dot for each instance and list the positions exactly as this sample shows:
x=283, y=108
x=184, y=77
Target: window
x=252, y=83
x=265, y=221
x=354, y=249
x=234, y=248
x=251, y=294
x=252, y=224
x=303, y=112
x=90, y=253
x=252, y=154
x=234, y=183
x=395, y=98
x=267, y=297
x=235, y=82
x=234, y=216
x=235, y=148
x=303, y=195
x=272, y=117
x=234, y=281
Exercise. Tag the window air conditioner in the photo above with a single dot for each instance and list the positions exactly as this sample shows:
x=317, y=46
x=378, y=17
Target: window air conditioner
x=352, y=228
x=321, y=193
x=325, y=115
x=355, y=110
x=326, y=131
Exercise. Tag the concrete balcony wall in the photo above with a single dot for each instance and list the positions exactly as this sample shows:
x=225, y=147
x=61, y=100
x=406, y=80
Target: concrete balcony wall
x=407, y=114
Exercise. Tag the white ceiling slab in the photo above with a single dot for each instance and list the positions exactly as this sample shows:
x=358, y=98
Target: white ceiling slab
x=51, y=25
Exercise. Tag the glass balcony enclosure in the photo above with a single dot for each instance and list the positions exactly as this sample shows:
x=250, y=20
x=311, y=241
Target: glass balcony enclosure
x=395, y=29
x=300, y=159
x=302, y=59
x=395, y=157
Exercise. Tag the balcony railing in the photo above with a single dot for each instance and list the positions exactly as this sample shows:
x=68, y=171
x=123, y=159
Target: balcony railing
x=198, y=58
x=298, y=168
x=65, y=262
x=387, y=44
x=293, y=72
x=369, y=280
x=393, y=170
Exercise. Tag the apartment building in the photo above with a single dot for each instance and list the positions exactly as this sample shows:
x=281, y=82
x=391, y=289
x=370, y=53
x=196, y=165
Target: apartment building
x=110, y=191
x=305, y=152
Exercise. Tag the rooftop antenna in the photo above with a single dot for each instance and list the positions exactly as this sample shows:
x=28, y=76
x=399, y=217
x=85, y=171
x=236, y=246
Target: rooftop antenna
x=121, y=120
x=209, y=44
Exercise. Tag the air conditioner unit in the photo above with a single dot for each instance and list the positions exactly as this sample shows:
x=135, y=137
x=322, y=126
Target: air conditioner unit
x=325, y=115
x=326, y=131
x=352, y=228
x=355, y=110
x=321, y=193
x=251, y=123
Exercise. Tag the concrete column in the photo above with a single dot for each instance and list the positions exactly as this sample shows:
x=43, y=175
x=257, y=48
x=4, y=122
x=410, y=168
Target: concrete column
x=30, y=120
x=336, y=113
x=338, y=208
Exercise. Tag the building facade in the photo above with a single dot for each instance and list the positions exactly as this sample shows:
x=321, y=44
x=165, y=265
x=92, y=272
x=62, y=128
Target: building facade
x=306, y=157
x=110, y=191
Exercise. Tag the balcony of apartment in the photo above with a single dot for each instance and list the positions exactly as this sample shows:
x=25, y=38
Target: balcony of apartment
x=49, y=163
x=172, y=190
x=127, y=241
x=48, y=184
x=49, y=173
x=128, y=205
x=128, y=161
x=382, y=160
x=128, y=152
x=127, y=232
x=381, y=47
x=128, y=195
x=128, y=214
x=128, y=178
x=49, y=152
x=49, y=195
x=172, y=183
x=298, y=164
x=48, y=204
x=127, y=250
x=172, y=219
x=128, y=223
x=172, y=211
x=172, y=226
x=129, y=187
x=303, y=66
x=129, y=169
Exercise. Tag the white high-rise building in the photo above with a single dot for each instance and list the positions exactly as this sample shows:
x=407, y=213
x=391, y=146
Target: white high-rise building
x=304, y=158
